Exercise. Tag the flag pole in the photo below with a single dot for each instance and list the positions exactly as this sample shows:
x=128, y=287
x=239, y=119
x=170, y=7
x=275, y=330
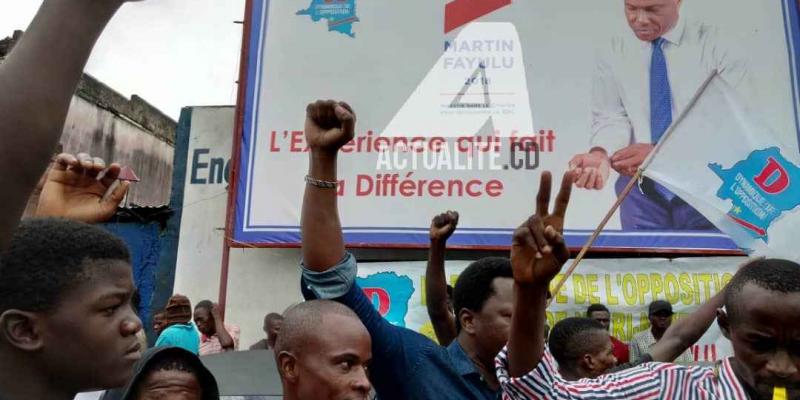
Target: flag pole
x=647, y=161
x=636, y=177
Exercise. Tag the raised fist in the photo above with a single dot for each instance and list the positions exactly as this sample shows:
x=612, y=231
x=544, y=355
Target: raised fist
x=443, y=226
x=329, y=126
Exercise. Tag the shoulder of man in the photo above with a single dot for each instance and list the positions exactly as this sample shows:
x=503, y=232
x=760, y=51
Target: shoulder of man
x=640, y=335
x=615, y=340
x=619, y=43
x=259, y=345
x=172, y=329
x=700, y=32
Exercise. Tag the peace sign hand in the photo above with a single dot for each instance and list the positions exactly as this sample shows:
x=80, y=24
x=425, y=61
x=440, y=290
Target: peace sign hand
x=538, y=250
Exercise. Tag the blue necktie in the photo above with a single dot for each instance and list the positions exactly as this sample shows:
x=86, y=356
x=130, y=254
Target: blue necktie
x=660, y=102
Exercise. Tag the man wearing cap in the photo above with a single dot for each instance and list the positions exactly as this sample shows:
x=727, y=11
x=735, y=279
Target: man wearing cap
x=660, y=316
x=179, y=330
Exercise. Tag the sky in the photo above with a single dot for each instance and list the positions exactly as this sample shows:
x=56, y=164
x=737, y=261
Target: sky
x=172, y=53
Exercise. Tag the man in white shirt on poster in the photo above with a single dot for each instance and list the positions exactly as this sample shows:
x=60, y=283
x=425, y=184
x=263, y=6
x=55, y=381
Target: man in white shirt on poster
x=640, y=85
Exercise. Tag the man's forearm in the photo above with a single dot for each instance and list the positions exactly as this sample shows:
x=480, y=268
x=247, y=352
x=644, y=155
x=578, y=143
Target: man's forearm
x=39, y=78
x=225, y=339
x=435, y=281
x=323, y=244
x=436, y=294
x=683, y=333
x=526, y=341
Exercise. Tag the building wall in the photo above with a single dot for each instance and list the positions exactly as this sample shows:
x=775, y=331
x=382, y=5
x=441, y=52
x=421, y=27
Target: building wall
x=101, y=133
x=261, y=281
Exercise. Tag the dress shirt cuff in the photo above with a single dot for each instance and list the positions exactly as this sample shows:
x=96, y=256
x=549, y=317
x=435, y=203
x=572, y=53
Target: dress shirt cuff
x=611, y=140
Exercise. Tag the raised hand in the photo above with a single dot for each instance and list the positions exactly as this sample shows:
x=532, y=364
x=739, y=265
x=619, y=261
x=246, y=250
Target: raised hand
x=538, y=250
x=55, y=50
x=329, y=126
x=76, y=187
x=216, y=312
x=437, y=304
x=443, y=226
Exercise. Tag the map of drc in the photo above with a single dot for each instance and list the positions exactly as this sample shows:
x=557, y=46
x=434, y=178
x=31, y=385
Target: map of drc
x=340, y=14
x=761, y=187
x=390, y=294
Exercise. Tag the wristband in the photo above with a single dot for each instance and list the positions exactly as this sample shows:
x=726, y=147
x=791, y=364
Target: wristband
x=321, y=184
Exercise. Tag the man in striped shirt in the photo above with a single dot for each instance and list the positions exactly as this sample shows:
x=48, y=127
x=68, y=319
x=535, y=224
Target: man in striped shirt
x=762, y=305
x=581, y=352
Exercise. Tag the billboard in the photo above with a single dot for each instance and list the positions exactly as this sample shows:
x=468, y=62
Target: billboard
x=462, y=103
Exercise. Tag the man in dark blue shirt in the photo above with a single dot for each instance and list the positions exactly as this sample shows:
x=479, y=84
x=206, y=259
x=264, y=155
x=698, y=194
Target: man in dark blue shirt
x=405, y=364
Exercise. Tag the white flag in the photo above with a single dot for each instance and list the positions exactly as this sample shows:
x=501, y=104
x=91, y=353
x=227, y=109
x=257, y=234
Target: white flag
x=733, y=171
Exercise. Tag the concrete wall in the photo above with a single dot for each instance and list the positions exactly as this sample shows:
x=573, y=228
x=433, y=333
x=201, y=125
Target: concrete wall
x=261, y=281
x=136, y=109
x=97, y=131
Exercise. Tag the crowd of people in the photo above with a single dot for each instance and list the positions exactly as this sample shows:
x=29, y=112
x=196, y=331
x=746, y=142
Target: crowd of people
x=69, y=323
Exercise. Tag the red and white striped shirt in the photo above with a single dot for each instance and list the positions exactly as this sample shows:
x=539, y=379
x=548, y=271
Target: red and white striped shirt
x=647, y=381
x=211, y=345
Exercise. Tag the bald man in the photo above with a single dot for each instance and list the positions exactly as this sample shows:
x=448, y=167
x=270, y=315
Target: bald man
x=323, y=352
x=272, y=326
